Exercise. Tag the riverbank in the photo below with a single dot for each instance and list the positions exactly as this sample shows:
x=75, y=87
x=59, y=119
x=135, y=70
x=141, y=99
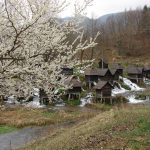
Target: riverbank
x=125, y=128
x=22, y=117
x=33, y=124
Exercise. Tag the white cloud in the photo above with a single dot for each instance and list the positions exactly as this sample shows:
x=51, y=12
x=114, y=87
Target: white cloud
x=102, y=7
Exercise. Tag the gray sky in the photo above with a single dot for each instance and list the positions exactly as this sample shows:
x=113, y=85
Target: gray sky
x=102, y=7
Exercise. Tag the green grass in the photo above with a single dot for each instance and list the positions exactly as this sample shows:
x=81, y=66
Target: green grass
x=99, y=106
x=6, y=129
x=138, y=134
x=74, y=102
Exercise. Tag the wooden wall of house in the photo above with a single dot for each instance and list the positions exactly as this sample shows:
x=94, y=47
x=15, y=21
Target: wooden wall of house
x=116, y=76
x=74, y=90
x=105, y=91
x=146, y=74
x=120, y=71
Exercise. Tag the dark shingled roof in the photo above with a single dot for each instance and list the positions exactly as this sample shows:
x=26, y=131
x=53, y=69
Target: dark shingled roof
x=96, y=71
x=73, y=81
x=116, y=66
x=146, y=68
x=113, y=71
x=135, y=70
x=101, y=84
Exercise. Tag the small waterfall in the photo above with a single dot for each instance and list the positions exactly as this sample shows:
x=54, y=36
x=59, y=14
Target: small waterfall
x=86, y=100
x=118, y=89
x=146, y=81
x=12, y=100
x=132, y=99
x=133, y=86
x=35, y=103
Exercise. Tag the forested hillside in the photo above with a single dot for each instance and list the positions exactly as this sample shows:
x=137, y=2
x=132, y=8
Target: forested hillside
x=122, y=35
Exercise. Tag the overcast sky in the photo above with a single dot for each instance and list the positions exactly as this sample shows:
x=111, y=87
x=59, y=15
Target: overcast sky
x=102, y=7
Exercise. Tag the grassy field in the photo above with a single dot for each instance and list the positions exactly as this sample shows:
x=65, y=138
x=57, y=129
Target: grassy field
x=125, y=128
x=22, y=117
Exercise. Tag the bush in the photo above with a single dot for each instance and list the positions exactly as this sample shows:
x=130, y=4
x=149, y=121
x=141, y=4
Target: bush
x=125, y=86
x=74, y=102
x=120, y=99
x=140, y=97
x=99, y=106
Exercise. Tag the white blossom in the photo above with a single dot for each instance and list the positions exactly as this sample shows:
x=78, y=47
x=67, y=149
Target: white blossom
x=34, y=45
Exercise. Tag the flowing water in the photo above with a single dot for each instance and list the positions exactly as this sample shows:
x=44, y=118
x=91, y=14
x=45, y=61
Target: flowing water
x=21, y=137
x=131, y=94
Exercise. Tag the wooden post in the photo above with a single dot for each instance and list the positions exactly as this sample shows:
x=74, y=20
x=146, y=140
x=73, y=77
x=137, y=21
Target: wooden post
x=69, y=97
x=111, y=100
x=1, y=100
x=101, y=97
x=90, y=85
x=79, y=96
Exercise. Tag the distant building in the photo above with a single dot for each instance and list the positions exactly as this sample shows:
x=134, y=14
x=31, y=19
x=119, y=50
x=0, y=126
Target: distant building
x=103, y=64
x=105, y=75
x=118, y=67
x=92, y=76
x=146, y=72
x=135, y=74
x=75, y=87
x=115, y=73
x=103, y=91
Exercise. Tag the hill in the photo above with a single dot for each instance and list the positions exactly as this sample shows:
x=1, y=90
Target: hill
x=126, y=128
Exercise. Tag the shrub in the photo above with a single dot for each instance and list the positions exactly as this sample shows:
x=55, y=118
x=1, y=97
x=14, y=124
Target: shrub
x=125, y=86
x=119, y=99
x=73, y=102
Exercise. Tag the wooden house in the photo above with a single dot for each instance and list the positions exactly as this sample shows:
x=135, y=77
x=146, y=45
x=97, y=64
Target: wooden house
x=92, y=76
x=105, y=75
x=135, y=74
x=103, y=91
x=43, y=97
x=146, y=72
x=67, y=70
x=103, y=63
x=75, y=87
x=115, y=73
x=118, y=67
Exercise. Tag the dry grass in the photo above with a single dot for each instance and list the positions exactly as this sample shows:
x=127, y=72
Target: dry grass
x=21, y=117
x=126, y=128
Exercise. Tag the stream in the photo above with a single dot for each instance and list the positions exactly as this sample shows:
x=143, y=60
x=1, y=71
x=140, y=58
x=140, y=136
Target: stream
x=27, y=135
x=21, y=137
